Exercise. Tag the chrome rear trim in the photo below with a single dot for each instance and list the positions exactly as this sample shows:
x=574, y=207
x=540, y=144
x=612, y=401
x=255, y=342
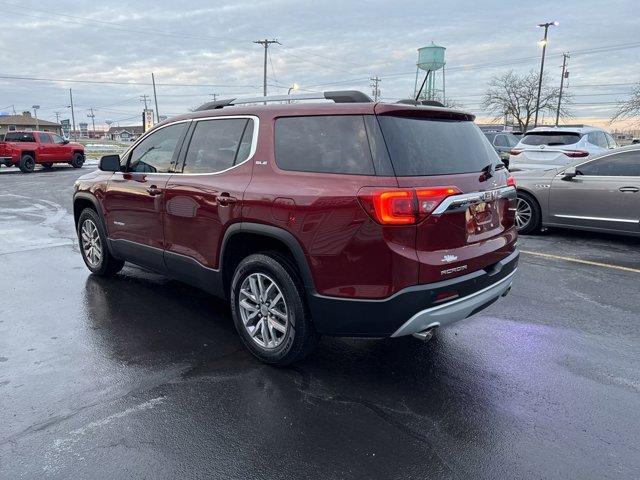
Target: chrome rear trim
x=456, y=203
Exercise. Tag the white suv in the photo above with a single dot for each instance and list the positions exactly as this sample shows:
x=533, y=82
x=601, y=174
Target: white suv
x=552, y=147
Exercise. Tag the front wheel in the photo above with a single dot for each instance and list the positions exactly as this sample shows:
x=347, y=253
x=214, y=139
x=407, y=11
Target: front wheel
x=528, y=215
x=269, y=311
x=78, y=160
x=93, y=245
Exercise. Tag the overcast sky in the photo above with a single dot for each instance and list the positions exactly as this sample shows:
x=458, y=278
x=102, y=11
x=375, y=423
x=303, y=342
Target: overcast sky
x=207, y=47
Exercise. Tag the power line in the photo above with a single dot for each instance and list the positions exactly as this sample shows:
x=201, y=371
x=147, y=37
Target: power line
x=113, y=82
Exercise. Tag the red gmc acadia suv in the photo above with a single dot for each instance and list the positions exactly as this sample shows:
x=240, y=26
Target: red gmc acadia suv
x=350, y=218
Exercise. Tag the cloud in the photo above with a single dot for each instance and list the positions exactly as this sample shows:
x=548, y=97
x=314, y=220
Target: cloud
x=327, y=44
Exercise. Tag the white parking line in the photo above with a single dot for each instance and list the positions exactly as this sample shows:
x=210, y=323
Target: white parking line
x=584, y=262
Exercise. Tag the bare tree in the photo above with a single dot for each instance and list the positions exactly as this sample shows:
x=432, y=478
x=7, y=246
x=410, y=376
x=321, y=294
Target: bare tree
x=515, y=95
x=630, y=107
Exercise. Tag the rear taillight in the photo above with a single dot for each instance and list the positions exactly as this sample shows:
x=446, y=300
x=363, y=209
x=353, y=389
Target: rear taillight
x=398, y=206
x=576, y=153
x=511, y=182
x=515, y=152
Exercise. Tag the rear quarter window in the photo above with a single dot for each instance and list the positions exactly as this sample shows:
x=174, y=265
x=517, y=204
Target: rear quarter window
x=323, y=144
x=425, y=146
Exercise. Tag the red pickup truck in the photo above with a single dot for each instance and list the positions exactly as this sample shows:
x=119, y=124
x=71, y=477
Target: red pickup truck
x=26, y=149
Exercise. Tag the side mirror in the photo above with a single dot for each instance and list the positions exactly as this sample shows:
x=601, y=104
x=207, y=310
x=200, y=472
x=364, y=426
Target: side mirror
x=110, y=163
x=569, y=173
x=65, y=141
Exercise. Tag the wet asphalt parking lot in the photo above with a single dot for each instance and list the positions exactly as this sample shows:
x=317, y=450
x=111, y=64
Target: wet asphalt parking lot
x=144, y=377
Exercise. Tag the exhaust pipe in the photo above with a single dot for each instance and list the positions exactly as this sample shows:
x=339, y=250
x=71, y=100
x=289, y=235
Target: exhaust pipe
x=424, y=335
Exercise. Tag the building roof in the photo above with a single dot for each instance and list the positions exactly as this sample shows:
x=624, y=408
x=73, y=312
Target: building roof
x=134, y=129
x=25, y=120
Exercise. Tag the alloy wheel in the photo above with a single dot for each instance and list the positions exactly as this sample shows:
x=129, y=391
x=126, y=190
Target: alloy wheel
x=263, y=310
x=523, y=213
x=91, y=244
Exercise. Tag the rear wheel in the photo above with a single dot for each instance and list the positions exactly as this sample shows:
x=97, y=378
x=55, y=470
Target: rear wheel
x=269, y=311
x=77, y=161
x=528, y=215
x=93, y=245
x=48, y=165
x=27, y=164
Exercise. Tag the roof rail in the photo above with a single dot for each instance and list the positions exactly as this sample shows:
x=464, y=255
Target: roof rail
x=338, y=96
x=411, y=101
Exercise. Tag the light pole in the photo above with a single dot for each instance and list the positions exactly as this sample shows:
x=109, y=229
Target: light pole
x=293, y=87
x=35, y=113
x=543, y=44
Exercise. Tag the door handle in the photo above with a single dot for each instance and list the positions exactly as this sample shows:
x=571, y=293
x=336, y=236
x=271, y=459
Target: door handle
x=629, y=189
x=226, y=199
x=153, y=190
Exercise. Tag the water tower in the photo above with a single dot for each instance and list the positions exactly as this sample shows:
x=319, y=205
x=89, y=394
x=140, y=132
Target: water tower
x=431, y=61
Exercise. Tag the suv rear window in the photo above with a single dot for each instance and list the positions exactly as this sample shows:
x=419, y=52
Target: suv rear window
x=19, y=137
x=424, y=146
x=550, y=138
x=323, y=144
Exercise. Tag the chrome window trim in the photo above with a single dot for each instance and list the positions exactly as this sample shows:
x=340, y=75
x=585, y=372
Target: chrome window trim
x=254, y=142
x=603, y=219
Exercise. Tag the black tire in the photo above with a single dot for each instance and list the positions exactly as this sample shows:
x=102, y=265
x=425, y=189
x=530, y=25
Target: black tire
x=527, y=204
x=300, y=337
x=48, y=165
x=27, y=164
x=78, y=160
x=107, y=265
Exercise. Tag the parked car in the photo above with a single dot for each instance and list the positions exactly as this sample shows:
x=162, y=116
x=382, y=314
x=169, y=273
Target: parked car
x=601, y=194
x=551, y=147
x=503, y=142
x=351, y=218
x=28, y=149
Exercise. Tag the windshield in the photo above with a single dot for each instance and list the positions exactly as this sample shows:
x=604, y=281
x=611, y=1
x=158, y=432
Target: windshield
x=424, y=146
x=550, y=138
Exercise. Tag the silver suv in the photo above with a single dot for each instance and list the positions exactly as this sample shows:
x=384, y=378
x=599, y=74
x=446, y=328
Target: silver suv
x=553, y=147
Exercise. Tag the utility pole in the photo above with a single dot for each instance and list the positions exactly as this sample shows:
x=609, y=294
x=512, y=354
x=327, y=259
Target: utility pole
x=92, y=116
x=543, y=43
x=565, y=74
x=35, y=112
x=57, y=114
x=375, y=89
x=214, y=95
x=265, y=43
x=143, y=98
x=155, y=97
x=73, y=116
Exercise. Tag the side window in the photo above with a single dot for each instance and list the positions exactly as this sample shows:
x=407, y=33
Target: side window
x=598, y=138
x=45, y=138
x=155, y=153
x=624, y=164
x=57, y=139
x=218, y=144
x=323, y=144
x=611, y=140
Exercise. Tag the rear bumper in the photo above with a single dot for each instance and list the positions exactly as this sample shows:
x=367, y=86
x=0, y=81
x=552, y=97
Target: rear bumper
x=415, y=308
x=455, y=310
